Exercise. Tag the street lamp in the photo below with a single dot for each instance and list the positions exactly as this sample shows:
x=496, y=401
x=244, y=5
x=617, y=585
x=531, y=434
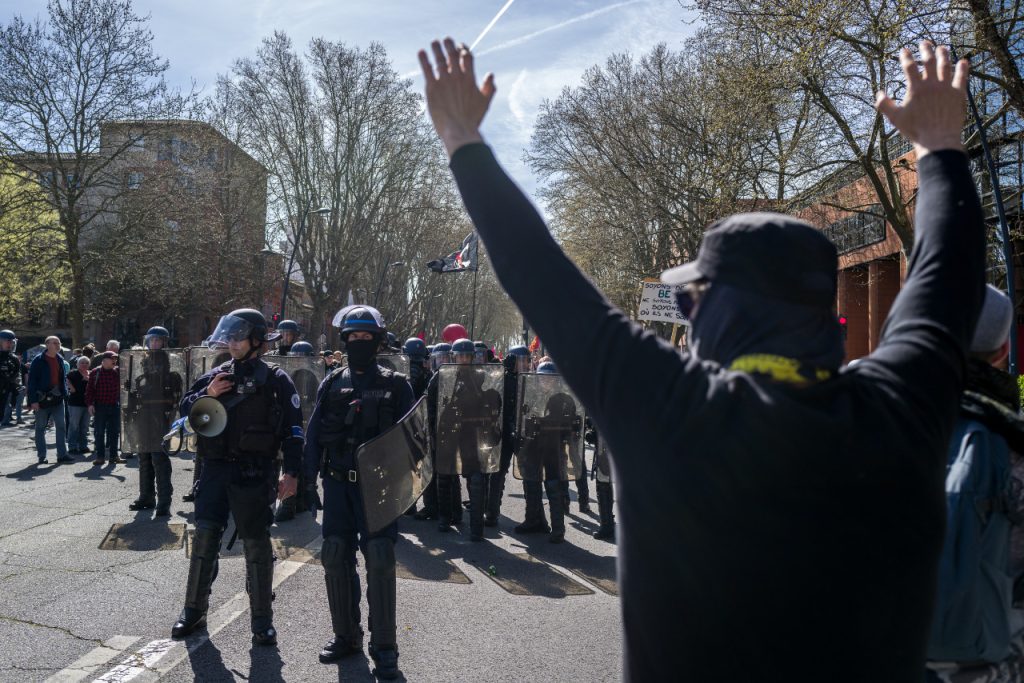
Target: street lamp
x=376, y=295
x=322, y=211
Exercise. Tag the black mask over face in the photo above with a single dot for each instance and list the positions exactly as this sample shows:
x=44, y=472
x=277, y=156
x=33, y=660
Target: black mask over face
x=731, y=322
x=362, y=353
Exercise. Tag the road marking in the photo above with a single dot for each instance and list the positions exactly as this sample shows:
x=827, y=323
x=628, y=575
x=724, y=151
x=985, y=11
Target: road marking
x=145, y=660
x=91, y=661
x=139, y=662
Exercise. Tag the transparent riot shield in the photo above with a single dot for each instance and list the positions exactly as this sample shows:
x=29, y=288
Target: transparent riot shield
x=307, y=372
x=550, y=427
x=398, y=362
x=152, y=383
x=394, y=468
x=468, y=430
x=202, y=359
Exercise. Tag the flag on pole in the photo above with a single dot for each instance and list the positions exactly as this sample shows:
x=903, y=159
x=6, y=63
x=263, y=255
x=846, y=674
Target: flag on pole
x=535, y=344
x=459, y=261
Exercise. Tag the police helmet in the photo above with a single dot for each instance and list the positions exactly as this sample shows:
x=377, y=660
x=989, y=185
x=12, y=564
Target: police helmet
x=240, y=324
x=519, y=351
x=415, y=348
x=288, y=326
x=360, y=318
x=441, y=349
x=392, y=341
x=156, y=332
x=463, y=346
x=454, y=332
x=547, y=368
x=302, y=348
x=8, y=335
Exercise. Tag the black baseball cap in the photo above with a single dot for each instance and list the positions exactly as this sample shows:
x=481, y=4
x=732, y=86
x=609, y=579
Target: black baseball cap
x=769, y=253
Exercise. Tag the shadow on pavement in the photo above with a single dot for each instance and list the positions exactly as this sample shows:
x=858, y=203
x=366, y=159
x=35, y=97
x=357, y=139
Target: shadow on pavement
x=100, y=472
x=32, y=471
x=208, y=665
x=598, y=570
x=265, y=665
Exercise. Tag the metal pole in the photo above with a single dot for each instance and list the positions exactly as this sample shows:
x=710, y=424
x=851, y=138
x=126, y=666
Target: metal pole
x=291, y=260
x=376, y=295
x=472, y=319
x=1004, y=230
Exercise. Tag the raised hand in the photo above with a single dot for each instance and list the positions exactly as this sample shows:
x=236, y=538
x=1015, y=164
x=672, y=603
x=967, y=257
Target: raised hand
x=933, y=111
x=455, y=102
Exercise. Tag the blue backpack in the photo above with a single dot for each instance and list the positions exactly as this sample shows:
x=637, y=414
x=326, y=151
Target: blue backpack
x=975, y=587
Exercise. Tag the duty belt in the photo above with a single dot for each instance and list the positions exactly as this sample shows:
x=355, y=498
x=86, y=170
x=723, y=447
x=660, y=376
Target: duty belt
x=343, y=475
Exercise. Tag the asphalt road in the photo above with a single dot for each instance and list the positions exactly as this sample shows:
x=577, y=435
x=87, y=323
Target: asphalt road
x=89, y=590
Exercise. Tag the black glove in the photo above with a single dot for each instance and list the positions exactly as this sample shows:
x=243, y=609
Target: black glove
x=311, y=498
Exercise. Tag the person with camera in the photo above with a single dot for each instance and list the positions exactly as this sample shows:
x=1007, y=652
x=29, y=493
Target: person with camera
x=47, y=391
x=10, y=375
x=261, y=416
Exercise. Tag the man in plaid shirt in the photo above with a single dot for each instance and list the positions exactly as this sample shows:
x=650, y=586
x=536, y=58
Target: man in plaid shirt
x=103, y=397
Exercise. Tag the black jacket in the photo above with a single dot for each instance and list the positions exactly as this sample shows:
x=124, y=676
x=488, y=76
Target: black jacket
x=768, y=532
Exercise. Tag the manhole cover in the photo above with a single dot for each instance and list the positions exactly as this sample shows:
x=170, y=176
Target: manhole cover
x=144, y=536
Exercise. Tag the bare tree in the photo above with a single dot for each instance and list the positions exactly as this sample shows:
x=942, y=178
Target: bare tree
x=91, y=62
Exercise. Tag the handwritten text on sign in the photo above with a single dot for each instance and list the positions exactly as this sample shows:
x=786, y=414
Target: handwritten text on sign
x=658, y=303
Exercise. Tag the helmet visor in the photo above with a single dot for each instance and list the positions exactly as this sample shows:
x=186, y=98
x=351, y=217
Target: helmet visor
x=154, y=341
x=230, y=328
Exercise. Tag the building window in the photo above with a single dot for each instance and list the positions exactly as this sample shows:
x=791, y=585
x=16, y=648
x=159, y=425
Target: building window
x=71, y=181
x=134, y=180
x=63, y=318
x=137, y=144
x=46, y=179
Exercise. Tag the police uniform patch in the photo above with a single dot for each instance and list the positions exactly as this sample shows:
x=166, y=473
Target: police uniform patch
x=296, y=401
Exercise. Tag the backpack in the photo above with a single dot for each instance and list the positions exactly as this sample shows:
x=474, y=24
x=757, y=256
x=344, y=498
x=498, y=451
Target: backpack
x=975, y=587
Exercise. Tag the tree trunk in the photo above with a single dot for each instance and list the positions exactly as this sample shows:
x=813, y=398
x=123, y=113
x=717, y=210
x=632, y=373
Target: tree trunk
x=988, y=38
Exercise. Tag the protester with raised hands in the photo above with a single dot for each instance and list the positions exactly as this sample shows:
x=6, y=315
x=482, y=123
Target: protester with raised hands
x=780, y=519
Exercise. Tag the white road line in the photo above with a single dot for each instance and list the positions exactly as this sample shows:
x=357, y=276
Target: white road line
x=138, y=663
x=154, y=652
x=91, y=661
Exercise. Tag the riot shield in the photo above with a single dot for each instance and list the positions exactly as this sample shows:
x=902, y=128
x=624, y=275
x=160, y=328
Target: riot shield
x=202, y=359
x=550, y=427
x=307, y=372
x=468, y=429
x=397, y=362
x=152, y=383
x=394, y=468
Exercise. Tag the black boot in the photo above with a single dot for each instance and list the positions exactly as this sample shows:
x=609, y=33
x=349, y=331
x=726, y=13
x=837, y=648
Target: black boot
x=583, y=492
x=381, y=596
x=534, y=522
x=605, y=501
x=147, y=495
x=556, y=503
x=477, y=495
x=445, y=502
x=259, y=583
x=457, y=499
x=164, y=489
x=429, y=510
x=201, y=572
x=495, y=490
x=342, y=599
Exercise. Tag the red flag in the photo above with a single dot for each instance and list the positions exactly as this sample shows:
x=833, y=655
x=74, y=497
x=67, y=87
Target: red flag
x=535, y=344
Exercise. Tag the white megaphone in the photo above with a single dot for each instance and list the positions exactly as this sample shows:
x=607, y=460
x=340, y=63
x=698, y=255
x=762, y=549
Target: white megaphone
x=208, y=417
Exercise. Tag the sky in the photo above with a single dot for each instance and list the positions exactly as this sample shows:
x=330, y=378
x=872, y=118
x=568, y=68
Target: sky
x=535, y=49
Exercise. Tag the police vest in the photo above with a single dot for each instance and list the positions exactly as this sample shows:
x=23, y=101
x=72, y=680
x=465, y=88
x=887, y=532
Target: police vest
x=350, y=417
x=9, y=369
x=252, y=431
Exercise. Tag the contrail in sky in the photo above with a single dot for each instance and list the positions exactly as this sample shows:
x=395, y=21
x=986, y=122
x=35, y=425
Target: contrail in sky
x=530, y=36
x=491, y=25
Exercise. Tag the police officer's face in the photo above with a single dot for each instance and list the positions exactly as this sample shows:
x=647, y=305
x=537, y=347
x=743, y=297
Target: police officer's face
x=156, y=343
x=360, y=336
x=464, y=358
x=523, y=364
x=239, y=349
x=288, y=338
x=6, y=344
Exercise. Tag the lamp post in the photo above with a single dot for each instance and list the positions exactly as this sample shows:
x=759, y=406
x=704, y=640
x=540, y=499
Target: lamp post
x=376, y=295
x=322, y=211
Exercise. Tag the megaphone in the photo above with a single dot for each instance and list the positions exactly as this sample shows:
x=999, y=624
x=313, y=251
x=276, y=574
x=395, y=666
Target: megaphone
x=208, y=417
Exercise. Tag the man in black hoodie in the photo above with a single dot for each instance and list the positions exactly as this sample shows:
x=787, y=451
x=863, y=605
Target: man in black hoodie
x=780, y=519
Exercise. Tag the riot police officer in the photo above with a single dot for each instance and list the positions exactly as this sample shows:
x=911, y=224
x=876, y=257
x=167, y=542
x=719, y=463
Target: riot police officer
x=516, y=360
x=605, y=492
x=439, y=355
x=419, y=378
x=301, y=348
x=10, y=374
x=154, y=394
x=239, y=473
x=290, y=332
x=355, y=404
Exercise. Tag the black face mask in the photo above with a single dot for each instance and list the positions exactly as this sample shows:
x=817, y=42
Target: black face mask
x=362, y=353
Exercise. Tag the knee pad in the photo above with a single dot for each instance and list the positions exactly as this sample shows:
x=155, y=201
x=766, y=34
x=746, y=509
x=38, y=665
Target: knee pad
x=336, y=555
x=380, y=555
